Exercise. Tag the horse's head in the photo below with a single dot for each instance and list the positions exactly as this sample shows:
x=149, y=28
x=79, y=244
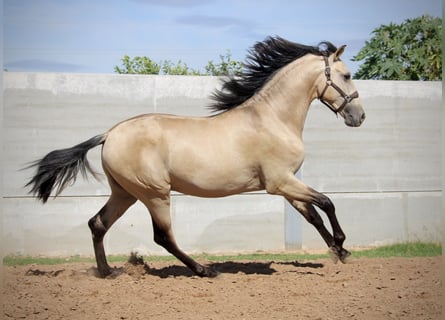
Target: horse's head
x=337, y=91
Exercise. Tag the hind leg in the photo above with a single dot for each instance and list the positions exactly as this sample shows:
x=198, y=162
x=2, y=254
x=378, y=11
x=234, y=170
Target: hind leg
x=163, y=236
x=115, y=207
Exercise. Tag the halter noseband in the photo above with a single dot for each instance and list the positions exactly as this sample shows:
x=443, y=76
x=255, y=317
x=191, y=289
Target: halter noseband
x=329, y=83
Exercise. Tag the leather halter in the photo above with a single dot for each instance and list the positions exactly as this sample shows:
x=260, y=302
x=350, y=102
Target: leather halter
x=330, y=83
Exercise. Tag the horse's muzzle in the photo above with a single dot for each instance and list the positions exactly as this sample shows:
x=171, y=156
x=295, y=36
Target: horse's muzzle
x=354, y=115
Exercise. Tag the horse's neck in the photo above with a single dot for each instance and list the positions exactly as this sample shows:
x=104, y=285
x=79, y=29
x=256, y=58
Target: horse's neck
x=290, y=92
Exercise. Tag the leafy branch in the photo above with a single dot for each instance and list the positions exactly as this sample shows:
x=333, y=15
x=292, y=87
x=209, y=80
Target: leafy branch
x=144, y=65
x=411, y=50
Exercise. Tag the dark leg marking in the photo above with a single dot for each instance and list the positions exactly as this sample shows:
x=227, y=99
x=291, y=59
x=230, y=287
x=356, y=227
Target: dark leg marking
x=166, y=240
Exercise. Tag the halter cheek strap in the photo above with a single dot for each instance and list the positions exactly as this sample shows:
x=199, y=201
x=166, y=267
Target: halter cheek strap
x=329, y=83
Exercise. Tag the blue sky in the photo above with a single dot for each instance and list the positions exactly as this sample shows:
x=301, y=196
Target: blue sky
x=91, y=36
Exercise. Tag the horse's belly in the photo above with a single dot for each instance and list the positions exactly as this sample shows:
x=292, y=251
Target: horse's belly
x=214, y=184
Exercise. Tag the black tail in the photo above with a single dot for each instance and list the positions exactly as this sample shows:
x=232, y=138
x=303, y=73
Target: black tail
x=60, y=167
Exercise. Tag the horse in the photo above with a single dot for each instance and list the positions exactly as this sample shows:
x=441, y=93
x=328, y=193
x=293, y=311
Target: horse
x=252, y=141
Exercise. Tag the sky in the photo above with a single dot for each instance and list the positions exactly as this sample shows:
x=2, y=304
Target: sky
x=91, y=36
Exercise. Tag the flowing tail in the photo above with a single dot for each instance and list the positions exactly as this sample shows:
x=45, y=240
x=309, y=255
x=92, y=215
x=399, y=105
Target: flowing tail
x=60, y=167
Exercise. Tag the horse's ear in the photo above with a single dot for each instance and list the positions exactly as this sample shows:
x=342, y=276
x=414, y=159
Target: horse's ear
x=339, y=52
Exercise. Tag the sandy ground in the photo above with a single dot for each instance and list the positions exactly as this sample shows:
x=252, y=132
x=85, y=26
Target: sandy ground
x=395, y=288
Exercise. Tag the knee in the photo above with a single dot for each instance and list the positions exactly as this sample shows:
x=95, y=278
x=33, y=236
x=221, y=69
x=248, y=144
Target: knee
x=97, y=228
x=325, y=204
x=339, y=237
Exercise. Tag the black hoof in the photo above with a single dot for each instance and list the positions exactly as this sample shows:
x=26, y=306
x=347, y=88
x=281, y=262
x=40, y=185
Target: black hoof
x=115, y=272
x=344, y=254
x=206, y=272
x=333, y=253
x=337, y=254
x=104, y=272
x=210, y=273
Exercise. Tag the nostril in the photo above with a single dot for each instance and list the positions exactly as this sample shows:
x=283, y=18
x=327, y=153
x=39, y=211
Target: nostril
x=363, y=117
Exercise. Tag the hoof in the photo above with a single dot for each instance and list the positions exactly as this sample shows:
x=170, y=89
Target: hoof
x=103, y=275
x=105, y=272
x=206, y=272
x=341, y=255
x=115, y=272
x=333, y=253
x=344, y=255
x=210, y=273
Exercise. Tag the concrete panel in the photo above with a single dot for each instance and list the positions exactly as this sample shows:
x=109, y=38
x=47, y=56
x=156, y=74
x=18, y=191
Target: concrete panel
x=250, y=222
x=60, y=228
x=397, y=148
x=184, y=95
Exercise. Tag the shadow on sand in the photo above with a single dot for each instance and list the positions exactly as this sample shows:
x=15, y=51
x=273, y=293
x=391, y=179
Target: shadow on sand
x=262, y=268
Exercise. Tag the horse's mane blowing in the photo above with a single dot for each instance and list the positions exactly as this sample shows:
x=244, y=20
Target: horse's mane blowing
x=262, y=62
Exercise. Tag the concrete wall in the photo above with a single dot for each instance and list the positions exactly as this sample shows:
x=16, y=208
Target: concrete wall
x=384, y=177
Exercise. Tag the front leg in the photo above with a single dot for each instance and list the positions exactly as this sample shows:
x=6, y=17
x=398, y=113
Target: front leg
x=336, y=249
x=339, y=236
x=303, y=198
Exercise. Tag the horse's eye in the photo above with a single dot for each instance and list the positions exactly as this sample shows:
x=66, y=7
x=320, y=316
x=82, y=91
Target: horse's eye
x=347, y=76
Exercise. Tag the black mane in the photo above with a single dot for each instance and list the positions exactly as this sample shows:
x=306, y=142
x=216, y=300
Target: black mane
x=263, y=60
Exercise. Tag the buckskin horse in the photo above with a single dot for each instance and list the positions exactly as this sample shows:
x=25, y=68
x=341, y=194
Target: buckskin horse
x=252, y=142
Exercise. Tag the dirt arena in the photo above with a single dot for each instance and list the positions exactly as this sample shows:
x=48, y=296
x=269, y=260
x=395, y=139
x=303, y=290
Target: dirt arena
x=394, y=288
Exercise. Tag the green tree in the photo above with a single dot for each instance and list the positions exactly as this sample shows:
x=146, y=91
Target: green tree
x=144, y=65
x=411, y=50
x=226, y=66
x=180, y=68
x=138, y=65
